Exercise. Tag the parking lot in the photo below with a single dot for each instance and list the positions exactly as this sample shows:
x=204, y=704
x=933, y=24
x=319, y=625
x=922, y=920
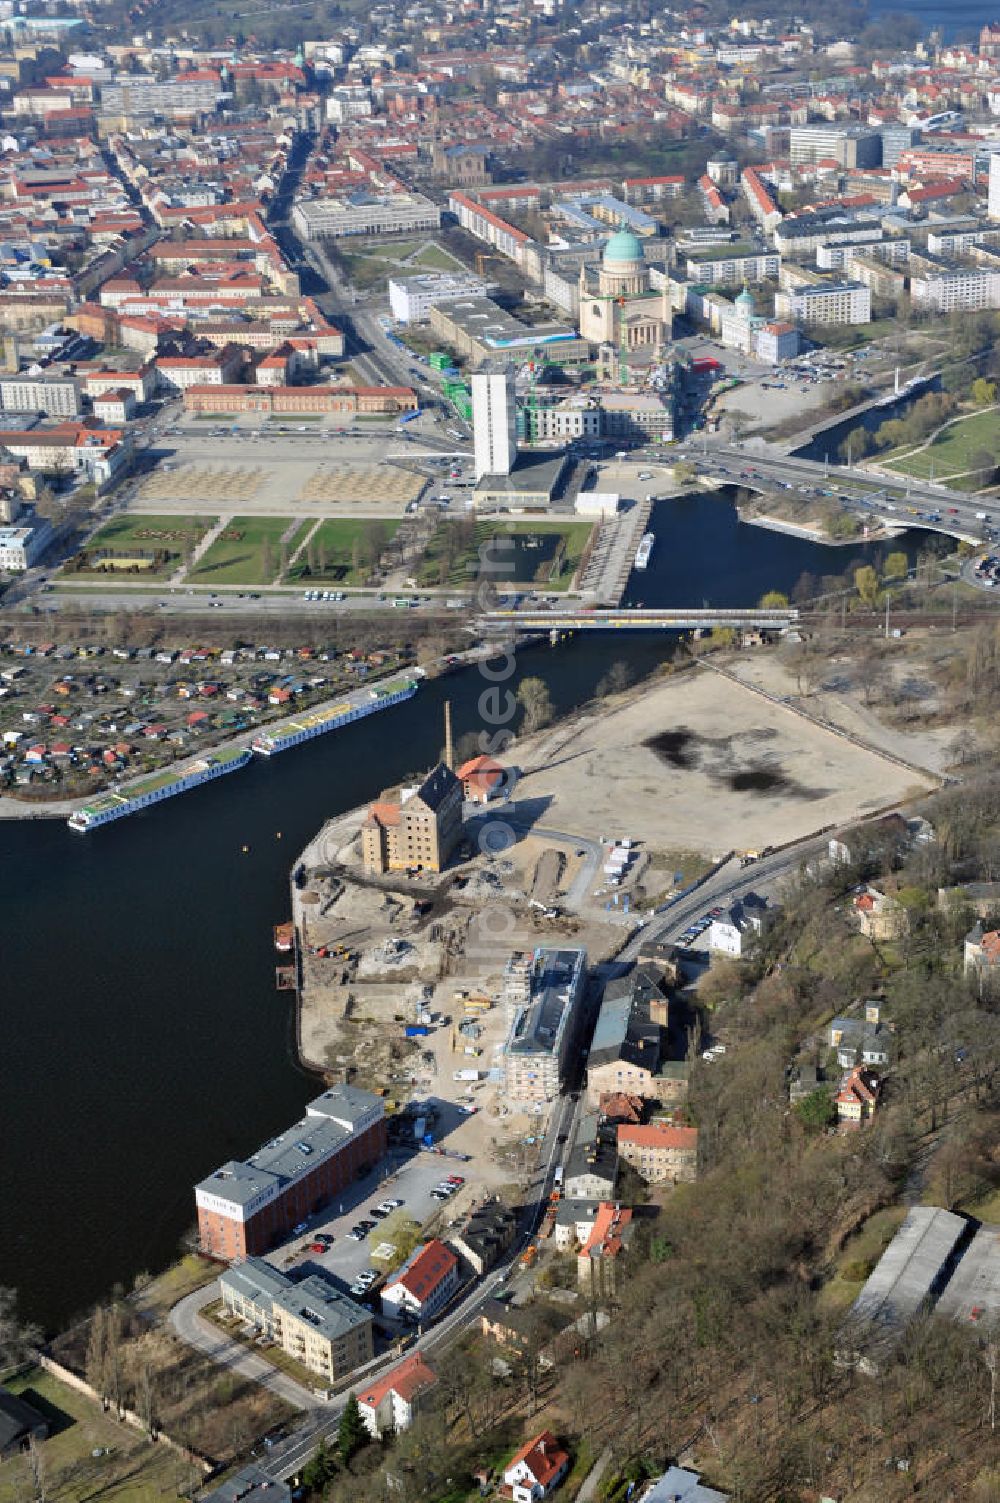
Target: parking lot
x=406, y=1174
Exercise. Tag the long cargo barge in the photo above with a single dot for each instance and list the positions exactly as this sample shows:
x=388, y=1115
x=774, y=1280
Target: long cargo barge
x=154, y=789
x=354, y=707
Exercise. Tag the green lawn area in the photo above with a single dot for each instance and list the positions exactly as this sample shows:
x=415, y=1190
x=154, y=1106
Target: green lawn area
x=176, y=536
x=952, y=451
x=859, y=1256
x=550, y=565
x=247, y=553
x=437, y=259
x=333, y=548
x=134, y=1471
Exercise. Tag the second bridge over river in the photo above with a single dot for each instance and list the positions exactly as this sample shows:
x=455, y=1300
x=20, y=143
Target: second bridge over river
x=678, y=618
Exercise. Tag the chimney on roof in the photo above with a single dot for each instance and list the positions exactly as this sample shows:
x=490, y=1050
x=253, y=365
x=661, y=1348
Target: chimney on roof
x=449, y=749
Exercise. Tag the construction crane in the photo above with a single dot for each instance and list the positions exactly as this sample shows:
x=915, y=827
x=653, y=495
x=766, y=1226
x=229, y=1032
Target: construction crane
x=622, y=345
x=481, y=259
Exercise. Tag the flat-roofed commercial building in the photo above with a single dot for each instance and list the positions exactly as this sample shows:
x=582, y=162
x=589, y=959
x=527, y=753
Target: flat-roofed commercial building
x=481, y=330
x=544, y=1031
x=20, y=547
x=412, y=298
x=248, y=1205
x=364, y=213
x=59, y=396
x=311, y=1319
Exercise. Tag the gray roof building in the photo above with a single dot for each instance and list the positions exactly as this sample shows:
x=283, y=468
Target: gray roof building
x=912, y=1271
x=678, y=1485
x=19, y=1422
x=249, y=1485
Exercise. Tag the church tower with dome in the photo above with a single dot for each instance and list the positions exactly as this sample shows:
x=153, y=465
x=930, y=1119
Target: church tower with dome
x=623, y=309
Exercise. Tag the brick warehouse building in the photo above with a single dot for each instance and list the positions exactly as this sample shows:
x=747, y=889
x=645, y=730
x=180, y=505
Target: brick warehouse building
x=249, y=1205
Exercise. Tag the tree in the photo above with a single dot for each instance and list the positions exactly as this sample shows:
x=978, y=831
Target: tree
x=983, y=392
x=866, y=584
x=684, y=472
x=815, y=1111
x=17, y=1337
x=617, y=678
x=896, y=566
x=351, y=1432
x=536, y=702
x=320, y=1469
x=773, y=600
x=984, y=461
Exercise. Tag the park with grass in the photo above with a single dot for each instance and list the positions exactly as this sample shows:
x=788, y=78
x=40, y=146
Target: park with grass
x=342, y=550
x=250, y=551
x=134, y=545
x=963, y=445
x=546, y=554
x=88, y=1454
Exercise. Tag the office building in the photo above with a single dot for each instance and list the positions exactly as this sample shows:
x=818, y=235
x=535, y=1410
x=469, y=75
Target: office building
x=311, y=1319
x=848, y=145
x=412, y=298
x=21, y=547
x=895, y=140
x=142, y=97
x=993, y=198
x=248, y=1205
x=364, y=213
x=494, y=421
x=57, y=396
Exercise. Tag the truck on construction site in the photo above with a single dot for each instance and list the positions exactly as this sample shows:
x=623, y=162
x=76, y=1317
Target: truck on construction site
x=416, y=1031
x=467, y=1074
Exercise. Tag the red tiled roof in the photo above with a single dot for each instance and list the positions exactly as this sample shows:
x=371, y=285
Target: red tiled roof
x=431, y=1264
x=657, y=1135
x=543, y=1456
x=408, y=1379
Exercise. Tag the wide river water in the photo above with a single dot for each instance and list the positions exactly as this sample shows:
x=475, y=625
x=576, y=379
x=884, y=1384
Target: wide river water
x=143, y=1040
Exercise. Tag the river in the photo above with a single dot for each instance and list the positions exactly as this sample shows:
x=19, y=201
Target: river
x=143, y=1041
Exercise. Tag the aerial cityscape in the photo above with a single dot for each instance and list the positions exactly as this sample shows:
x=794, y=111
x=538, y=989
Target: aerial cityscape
x=540, y=463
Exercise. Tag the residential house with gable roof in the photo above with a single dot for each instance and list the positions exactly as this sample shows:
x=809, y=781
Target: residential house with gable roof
x=424, y=1284
x=536, y=1469
x=388, y=1405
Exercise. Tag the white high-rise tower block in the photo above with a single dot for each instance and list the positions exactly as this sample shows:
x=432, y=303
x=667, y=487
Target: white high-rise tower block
x=993, y=201
x=494, y=422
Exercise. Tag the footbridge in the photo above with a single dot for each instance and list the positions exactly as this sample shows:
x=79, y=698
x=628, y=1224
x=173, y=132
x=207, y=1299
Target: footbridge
x=680, y=618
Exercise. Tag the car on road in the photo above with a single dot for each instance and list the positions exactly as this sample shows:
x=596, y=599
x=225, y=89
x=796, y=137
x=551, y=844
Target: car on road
x=455, y=1179
x=385, y=1206
x=356, y=1234
x=317, y=1247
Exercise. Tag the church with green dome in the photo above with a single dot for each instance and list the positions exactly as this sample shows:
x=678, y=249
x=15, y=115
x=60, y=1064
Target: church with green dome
x=623, y=309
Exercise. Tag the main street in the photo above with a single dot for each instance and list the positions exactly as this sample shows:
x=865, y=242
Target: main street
x=898, y=500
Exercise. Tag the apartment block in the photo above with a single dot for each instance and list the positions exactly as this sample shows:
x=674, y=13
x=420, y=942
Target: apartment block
x=829, y=303
x=544, y=1032
x=58, y=396
x=310, y=1319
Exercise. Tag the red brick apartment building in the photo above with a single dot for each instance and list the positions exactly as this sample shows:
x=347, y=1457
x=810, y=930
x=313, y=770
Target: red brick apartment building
x=248, y=1205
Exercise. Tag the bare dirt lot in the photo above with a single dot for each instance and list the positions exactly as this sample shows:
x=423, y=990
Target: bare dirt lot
x=702, y=763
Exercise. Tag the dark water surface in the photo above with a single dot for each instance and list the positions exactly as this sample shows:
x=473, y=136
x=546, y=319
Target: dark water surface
x=704, y=555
